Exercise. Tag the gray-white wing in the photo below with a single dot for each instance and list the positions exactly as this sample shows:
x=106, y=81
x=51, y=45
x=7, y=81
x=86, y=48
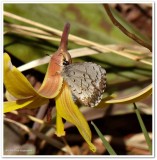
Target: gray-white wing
x=87, y=81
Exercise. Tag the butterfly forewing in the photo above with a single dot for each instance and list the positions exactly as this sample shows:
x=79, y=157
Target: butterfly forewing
x=87, y=81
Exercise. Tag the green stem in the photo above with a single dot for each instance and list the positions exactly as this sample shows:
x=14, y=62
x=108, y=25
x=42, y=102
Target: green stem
x=147, y=138
x=105, y=142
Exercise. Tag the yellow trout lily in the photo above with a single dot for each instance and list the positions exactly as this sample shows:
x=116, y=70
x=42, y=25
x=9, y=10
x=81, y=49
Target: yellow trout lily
x=53, y=86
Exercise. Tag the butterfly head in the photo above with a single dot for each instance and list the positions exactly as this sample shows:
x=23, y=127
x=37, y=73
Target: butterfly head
x=66, y=58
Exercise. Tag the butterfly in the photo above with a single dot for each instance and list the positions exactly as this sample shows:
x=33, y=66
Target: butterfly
x=86, y=80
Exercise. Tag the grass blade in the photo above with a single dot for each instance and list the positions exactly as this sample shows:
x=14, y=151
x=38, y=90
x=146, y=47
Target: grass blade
x=105, y=142
x=148, y=140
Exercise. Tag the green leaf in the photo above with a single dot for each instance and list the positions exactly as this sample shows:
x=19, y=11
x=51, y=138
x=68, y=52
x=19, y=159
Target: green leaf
x=105, y=142
x=144, y=130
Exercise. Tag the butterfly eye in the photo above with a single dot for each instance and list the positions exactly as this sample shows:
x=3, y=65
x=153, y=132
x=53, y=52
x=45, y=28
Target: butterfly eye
x=65, y=62
x=67, y=58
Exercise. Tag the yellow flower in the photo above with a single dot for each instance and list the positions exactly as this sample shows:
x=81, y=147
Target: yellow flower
x=53, y=86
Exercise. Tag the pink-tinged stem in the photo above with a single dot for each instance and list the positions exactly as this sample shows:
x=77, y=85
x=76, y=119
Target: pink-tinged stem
x=64, y=39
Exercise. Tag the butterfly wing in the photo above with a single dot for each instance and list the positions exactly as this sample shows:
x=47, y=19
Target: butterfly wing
x=87, y=81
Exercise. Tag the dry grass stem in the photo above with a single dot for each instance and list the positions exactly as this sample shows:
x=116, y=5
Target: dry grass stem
x=22, y=32
x=79, y=52
x=36, y=35
x=26, y=28
x=49, y=140
x=75, y=39
x=25, y=128
x=67, y=146
x=32, y=118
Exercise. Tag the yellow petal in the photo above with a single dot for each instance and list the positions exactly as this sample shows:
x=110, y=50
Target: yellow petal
x=142, y=94
x=19, y=87
x=30, y=103
x=67, y=109
x=9, y=97
x=59, y=126
x=15, y=82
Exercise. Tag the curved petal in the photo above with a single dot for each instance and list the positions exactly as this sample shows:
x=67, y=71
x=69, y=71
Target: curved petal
x=30, y=103
x=15, y=82
x=55, y=67
x=53, y=81
x=19, y=87
x=67, y=109
x=147, y=91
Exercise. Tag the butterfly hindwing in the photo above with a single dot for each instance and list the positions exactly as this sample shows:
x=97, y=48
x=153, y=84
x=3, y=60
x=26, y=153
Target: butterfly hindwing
x=87, y=81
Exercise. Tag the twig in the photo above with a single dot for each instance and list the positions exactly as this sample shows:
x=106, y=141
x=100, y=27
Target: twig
x=32, y=118
x=40, y=115
x=49, y=140
x=129, y=34
x=67, y=146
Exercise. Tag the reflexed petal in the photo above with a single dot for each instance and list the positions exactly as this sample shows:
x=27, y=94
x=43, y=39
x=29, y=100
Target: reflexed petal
x=137, y=96
x=59, y=126
x=30, y=103
x=53, y=80
x=19, y=87
x=15, y=82
x=67, y=109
